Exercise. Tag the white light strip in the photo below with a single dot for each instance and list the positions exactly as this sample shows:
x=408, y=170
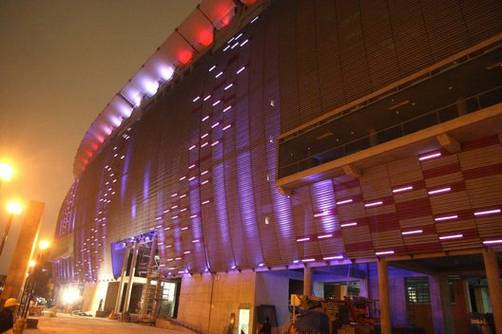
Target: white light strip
x=453, y=236
x=324, y=236
x=204, y=182
x=377, y=203
x=321, y=214
x=227, y=108
x=336, y=257
x=205, y=118
x=303, y=239
x=238, y=36
x=195, y=99
x=212, y=68
x=187, y=252
x=398, y=190
x=491, y=242
x=261, y=264
x=215, y=125
x=216, y=103
x=218, y=75
x=254, y=20
x=348, y=224
x=227, y=87
x=193, y=216
x=412, y=232
x=487, y=212
x=191, y=166
x=195, y=241
x=184, y=228
x=345, y=201
x=204, y=135
x=204, y=172
x=235, y=45
x=204, y=145
x=205, y=202
x=207, y=97
x=430, y=156
x=192, y=147
x=215, y=143
x=226, y=48
x=244, y=42
x=385, y=253
x=240, y=70
x=227, y=127
x=308, y=260
x=438, y=191
x=439, y=219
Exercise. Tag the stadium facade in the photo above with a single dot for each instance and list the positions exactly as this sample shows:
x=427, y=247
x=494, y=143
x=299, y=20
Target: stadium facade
x=352, y=145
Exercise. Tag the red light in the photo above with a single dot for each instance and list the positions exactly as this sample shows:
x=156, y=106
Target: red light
x=205, y=37
x=184, y=56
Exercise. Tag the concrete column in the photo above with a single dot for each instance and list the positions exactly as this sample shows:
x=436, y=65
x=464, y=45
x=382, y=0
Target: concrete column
x=383, y=292
x=121, y=282
x=132, y=271
x=444, y=291
x=494, y=288
x=461, y=106
x=307, y=280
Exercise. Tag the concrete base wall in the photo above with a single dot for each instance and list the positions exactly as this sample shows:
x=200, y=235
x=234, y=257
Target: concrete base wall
x=207, y=301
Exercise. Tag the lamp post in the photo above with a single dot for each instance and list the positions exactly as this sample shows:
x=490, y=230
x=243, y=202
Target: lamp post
x=14, y=208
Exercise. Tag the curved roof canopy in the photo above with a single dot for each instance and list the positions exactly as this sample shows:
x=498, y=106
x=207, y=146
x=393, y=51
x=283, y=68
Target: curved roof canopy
x=192, y=37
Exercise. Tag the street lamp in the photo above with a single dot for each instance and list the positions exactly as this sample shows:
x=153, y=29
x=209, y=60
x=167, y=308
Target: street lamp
x=14, y=208
x=44, y=244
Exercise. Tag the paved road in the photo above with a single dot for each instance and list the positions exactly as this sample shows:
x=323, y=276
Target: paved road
x=81, y=325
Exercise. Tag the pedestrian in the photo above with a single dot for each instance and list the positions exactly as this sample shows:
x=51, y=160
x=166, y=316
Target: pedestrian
x=266, y=328
x=7, y=315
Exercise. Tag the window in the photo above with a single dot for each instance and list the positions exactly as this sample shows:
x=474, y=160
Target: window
x=417, y=290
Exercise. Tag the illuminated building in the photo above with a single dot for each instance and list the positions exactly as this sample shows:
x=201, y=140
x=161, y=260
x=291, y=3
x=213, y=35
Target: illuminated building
x=267, y=137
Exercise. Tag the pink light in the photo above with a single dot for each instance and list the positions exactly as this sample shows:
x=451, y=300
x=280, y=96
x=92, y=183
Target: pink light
x=398, y=190
x=204, y=145
x=303, y=239
x=186, y=252
x=151, y=87
x=195, y=99
x=204, y=182
x=344, y=201
x=348, y=224
x=227, y=108
x=308, y=260
x=215, y=143
x=321, y=214
x=324, y=236
x=174, y=195
x=227, y=127
x=371, y=204
x=439, y=191
x=207, y=98
x=261, y=264
x=205, y=202
x=430, y=156
x=335, y=257
x=216, y=103
x=204, y=135
x=390, y=252
x=240, y=70
x=296, y=261
x=412, y=232
x=193, y=216
x=182, y=178
x=191, y=178
x=166, y=72
x=491, y=242
x=184, y=228
x=195, y=241
x=227, y=87
x=192, y=147
x=183, y=196
x=254, y=20
x=487, y=212
x=453, y=236
x=191, y=166
x=205, y=118
x=204, y=172
x=215, y=125
x=440, y=219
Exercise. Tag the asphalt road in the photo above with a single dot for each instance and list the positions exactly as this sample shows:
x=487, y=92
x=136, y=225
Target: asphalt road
x=82, y=325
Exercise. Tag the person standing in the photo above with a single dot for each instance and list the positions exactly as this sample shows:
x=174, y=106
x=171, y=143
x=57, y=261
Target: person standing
x=7, y=315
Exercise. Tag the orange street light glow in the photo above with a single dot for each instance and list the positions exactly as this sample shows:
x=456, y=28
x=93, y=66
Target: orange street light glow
x=6, y=171
x=44, y=244
x=14, y=207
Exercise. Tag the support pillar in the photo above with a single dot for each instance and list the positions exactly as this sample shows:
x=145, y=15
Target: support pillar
x=307, y=280
x=118, y=301
x=383, y=292
x=132, y=271
x=444, y=292
x=494, y=288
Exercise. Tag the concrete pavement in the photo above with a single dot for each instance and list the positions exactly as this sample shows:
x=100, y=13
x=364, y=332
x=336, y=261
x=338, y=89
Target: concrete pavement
x=63, y=324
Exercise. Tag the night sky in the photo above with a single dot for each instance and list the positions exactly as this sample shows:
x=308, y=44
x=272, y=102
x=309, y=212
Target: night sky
x=61, y=62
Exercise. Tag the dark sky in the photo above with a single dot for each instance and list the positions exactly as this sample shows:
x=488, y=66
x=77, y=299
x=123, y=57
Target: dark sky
x=61, y=61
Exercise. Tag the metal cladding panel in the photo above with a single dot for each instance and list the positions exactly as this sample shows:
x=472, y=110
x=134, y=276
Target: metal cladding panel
x=333, y=52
